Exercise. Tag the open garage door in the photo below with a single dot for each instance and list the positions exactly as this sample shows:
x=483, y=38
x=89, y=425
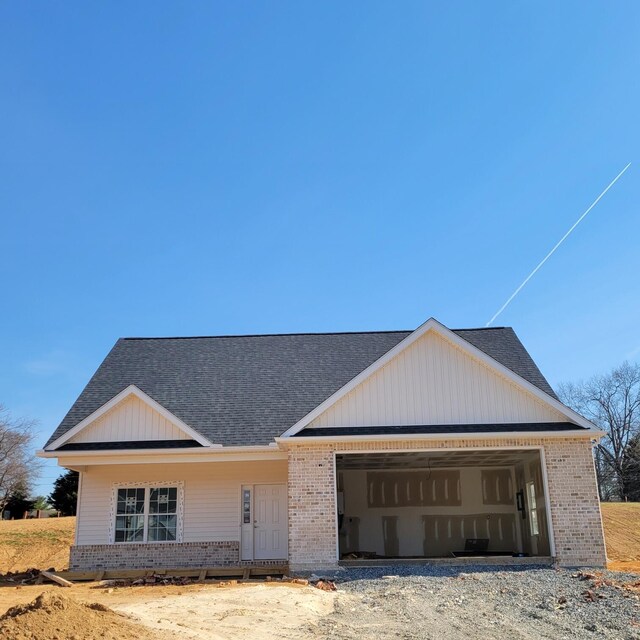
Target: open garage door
x=432, y=504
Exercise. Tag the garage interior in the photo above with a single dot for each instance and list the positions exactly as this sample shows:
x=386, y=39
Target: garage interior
x=433, y=504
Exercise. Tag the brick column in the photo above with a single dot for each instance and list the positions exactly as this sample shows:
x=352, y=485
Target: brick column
x=575, y=507
x=312, y=508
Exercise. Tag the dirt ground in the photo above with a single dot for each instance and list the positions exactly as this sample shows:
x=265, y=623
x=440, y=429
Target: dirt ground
x=362, y=608
x=238, y=612
x=54, y=616
x=444, y=605
x=40, y=544
x=621, y=522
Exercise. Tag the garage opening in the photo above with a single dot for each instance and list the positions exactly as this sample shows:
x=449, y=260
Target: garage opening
x=431, y=504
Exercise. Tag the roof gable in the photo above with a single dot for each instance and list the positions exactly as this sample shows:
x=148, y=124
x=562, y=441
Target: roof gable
x=130, y=416
x=434, y=382
x=549, y=408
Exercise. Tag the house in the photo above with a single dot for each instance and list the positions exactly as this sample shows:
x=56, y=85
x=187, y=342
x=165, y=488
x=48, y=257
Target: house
x=312, y=448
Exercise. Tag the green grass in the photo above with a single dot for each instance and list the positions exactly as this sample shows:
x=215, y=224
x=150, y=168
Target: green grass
x=26, y=538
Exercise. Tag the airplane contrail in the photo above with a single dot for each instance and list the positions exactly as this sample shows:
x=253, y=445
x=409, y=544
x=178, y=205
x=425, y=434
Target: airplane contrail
x=564, y=237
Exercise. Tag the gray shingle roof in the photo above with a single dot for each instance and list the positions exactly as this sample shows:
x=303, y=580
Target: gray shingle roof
x=246, y=390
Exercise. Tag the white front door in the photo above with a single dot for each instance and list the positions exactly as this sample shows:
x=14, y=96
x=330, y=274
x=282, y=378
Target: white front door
x=270, y=522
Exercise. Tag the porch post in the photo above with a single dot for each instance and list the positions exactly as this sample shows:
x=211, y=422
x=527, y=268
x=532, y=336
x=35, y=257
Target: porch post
x=312, y=508
x=575, y=505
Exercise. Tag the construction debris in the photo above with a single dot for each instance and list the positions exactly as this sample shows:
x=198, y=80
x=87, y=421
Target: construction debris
x=315, y=581
x=598, y=580
x=150, y=580
x=325, y=585
x=57, y=579
x=22, y=577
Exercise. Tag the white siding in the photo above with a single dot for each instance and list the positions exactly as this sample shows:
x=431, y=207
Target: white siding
x=211, y=495
x=131, y=419
x=435, y=382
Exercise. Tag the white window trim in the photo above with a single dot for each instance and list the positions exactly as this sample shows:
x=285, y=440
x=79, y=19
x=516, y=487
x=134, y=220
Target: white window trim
x=178, y=484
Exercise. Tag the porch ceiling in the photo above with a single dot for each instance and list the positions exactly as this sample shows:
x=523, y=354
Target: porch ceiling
x=433, y=459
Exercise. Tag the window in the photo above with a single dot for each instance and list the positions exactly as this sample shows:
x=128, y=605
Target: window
x=146, y=514
x=246, y=506
x=533, y=509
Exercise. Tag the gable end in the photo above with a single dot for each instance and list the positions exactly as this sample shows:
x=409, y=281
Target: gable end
x=129, y=417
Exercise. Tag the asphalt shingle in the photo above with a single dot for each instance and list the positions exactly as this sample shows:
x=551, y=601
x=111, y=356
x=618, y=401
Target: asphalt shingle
x=246, y=390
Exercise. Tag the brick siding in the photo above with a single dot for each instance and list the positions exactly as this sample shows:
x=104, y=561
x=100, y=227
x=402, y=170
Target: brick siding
x=573, y=496
x=166, y=555
x=575, y=506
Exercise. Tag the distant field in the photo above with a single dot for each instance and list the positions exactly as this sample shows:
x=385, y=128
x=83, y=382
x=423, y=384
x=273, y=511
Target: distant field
x=41, y=544
x=35, y=544
x=622, y=533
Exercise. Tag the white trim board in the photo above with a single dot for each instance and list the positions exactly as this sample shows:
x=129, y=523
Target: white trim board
x=433, y=325
x=131, y=390
x=83, y=458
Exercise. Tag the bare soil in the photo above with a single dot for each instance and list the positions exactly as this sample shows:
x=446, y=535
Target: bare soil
x=621, y=521
x=439, y=604
x=231, y=612
x=442, y=604
x=39, y=544
x=53, y=616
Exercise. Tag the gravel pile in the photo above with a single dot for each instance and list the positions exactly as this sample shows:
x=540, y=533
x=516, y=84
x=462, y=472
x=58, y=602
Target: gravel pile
x=481, y=603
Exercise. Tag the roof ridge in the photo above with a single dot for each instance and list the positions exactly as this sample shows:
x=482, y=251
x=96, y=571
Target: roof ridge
x=301, y=333
x=481, y=328
x=267, y=335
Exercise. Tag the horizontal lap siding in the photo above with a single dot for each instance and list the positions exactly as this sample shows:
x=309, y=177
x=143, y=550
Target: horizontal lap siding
x=435, y=382
x=211, y=495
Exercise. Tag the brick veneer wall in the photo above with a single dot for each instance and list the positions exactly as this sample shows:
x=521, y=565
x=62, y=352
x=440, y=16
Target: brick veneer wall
x=573, y=496
x=575, y=505
x=166, y=555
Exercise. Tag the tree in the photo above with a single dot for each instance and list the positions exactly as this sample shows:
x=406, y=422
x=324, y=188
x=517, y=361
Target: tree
x=18, y=503
x=612, y=402
x=18, y=466
x=41, y=503
x=631, y=469
x=64, y=496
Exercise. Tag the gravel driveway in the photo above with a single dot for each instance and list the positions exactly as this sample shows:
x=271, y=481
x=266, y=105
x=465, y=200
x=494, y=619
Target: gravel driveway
x=477, y=603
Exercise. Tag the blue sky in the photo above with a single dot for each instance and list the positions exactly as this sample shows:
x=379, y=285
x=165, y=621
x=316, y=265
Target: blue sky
x=214, y=168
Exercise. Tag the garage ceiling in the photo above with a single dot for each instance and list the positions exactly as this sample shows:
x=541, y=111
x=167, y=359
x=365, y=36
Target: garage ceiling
x=433, y=459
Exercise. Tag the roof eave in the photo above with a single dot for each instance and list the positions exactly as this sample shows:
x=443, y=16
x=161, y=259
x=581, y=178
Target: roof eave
x=579, y=432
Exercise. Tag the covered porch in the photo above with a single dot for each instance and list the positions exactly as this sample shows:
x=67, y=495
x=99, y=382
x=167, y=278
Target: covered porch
x=153, y=514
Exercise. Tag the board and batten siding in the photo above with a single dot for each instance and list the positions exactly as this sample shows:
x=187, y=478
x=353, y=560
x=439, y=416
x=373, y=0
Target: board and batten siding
x=433, y=381
x=131, y=419
x=211, y=495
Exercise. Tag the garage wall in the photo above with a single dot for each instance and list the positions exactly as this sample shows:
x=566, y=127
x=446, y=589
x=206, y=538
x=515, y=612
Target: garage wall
x=416, y=526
